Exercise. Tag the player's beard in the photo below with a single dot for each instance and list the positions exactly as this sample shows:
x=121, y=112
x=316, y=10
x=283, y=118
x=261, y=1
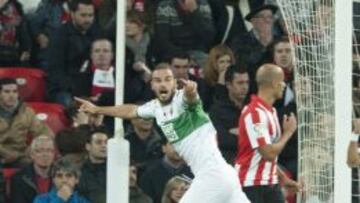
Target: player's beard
x=165, y=102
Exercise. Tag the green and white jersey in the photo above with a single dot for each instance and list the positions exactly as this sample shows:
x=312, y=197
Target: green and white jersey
x=176, y=119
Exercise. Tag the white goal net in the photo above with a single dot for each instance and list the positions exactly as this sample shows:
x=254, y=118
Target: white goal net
x=311, y=27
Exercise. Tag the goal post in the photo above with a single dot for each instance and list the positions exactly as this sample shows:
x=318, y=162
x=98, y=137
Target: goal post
x=343, y=95
x=118, y=159
x=320, y=33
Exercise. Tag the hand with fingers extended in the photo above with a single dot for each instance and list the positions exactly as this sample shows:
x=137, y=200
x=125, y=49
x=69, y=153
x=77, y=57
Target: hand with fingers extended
x=190, y=90
x=292, y=186
x=86, y=106
x=289, y=124
x=189, y=86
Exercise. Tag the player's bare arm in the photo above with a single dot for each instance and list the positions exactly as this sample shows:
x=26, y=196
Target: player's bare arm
x=271, y=151
x=125, y=111
x=353, y=158
x=289, y=184
x=190, y=91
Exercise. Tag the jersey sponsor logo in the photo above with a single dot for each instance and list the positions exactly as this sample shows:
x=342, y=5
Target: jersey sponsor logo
x=170, y=133
x=260, y=130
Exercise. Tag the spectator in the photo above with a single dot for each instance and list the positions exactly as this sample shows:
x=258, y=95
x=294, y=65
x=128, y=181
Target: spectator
x=251, y=47
x=92, y=184
x=15, y=41
x=48, y=17
x=17, y=123
x=184, y=26
x=261, y=140
x=71, y=143
x=139, y=57
x=65, y=176
x=225, y=112
x=103, y=79
x=69, y=51
x=136, y=194
x=283, y=56
x=145, y=145
x=220, y=17
x=138, y=39
x=155, y=177
x=180, y=64
x=106, y=11
x=220, y=58
x=175, y=188
x=35, y=178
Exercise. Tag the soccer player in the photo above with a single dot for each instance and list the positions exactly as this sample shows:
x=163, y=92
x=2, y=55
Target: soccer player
x=188, y=128
x=261, y=140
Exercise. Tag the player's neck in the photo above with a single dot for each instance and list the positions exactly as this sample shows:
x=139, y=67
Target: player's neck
x=266, y=97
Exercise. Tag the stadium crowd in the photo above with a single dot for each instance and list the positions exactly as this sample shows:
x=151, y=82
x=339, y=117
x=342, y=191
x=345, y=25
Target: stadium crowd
x=218, y=44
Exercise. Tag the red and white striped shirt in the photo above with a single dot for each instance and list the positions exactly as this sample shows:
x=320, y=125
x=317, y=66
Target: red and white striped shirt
x=258, y=126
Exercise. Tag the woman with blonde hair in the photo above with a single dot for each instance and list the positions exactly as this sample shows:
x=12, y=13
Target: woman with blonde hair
x=174, y=189
x=219, y=59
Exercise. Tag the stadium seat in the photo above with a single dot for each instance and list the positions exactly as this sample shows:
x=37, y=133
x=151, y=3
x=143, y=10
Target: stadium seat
x=31, y=82
x=52, y=114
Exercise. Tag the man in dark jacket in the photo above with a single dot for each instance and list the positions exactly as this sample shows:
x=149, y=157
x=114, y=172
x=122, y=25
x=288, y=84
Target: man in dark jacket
x=35, y=178
x=155, y=177
x=92, y=184
x=69, y=73
x=15, y=41
x=184, y=25
x=251, y=47
x=180, y=65
x=225, y=112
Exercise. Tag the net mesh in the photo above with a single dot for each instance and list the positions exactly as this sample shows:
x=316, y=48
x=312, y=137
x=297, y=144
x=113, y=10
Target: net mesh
x=310, y=24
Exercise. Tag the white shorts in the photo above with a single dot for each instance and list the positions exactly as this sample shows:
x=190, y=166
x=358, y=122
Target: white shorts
x=215, y=181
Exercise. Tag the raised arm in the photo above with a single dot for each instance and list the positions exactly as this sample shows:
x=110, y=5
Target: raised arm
x=124, y=111
x=190, y=91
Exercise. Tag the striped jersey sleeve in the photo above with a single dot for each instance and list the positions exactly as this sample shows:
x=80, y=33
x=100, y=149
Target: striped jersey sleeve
x=256, y=126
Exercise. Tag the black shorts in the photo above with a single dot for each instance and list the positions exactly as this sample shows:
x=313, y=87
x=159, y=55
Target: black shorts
x=264, y=194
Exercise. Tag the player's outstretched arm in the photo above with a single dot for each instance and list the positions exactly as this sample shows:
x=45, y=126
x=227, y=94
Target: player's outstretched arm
x=190, y=91
x=125, y=111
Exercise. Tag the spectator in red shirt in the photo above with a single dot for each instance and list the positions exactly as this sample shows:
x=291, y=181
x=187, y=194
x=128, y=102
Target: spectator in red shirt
x=103, y=71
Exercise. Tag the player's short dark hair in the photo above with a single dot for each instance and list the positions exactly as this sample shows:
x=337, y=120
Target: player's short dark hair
x=7, y=81
x=284, y=39
x=74, y=4
x=178, y=55
x=98, y=129
x=232, y=70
